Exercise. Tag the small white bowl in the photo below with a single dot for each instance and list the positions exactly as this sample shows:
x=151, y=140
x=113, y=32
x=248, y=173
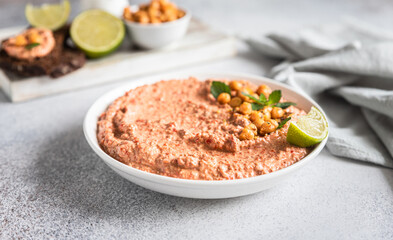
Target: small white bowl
x=196, y=188
x=160, y=35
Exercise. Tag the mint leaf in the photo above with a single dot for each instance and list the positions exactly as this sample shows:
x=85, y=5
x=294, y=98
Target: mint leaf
x=254, y=98
x=282, y=123
x=262, y=98
x=274, y=97
x=31, y=45
x=284, y=105
x=219, y=87
x=256, y=106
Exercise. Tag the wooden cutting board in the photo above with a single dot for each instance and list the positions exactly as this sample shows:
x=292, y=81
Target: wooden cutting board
x=199, y=45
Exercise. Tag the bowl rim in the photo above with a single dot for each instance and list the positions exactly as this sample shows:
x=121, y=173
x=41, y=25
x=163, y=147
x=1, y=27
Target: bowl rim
x=90, y=123
x=186, y=17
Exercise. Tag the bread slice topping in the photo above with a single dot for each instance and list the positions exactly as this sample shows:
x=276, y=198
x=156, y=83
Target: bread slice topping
x=61, y=60
x=32, y=43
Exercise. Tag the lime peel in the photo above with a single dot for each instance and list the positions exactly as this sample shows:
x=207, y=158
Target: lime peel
x=51, y=16
x=97, y=32
x=309, y=130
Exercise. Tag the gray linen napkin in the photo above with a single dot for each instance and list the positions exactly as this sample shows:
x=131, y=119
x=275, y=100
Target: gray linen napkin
x=348, y=68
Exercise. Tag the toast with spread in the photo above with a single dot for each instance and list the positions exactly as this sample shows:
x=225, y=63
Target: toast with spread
x=33, y=54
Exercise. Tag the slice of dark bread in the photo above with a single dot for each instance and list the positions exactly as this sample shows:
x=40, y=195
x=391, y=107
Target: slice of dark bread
x=60, y=61
x=70, y=60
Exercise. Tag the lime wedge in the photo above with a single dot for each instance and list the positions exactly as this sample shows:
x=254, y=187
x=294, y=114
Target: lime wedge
x=97, y=32
x=51, y=16
x=308, y=130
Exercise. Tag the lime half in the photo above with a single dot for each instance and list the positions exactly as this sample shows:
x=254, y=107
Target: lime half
x=308, y=130
x=51, y=16
x=97, y=32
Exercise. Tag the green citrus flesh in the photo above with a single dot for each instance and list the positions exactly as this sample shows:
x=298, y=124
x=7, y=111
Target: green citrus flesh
x=51, y=16
x=97, y=32
x=308, y=130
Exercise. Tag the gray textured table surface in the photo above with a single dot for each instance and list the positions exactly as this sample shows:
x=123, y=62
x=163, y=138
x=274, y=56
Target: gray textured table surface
x=53, y=186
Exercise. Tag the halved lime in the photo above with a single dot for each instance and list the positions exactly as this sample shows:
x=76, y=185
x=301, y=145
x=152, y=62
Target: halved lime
x=97, y=32
x=308, y=130
x=51, y=16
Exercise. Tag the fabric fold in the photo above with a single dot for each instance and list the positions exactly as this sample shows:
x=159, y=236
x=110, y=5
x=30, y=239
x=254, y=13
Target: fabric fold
x=350, y=60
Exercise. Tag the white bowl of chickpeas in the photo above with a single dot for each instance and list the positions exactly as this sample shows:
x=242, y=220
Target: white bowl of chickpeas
x=156, y=25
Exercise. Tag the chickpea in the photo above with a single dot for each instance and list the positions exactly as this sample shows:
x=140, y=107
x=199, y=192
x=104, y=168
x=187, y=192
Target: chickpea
x=144, y=19
x=245, y=108
x=171, y=17
x=267, y=116
x=258, y=122
x=34, y=37
x=253, y=128
x=141, y=17
x=267, y=127
x=267, y=109
x=155, y=20
x=224, y=98
x=235, y=102
x=163, y=3
x=249, y=90
x=143, y=7
x=20, y=40
x=155, y=4
x=153, y=12
x=243, y=97
x=235, y=85
x=170, y=11
x=180, y=14
x=267, y=112
x=246, y=134
x=163, y=18
x=264, y=89
x=255, y=115
x=169, y=8
x=277, y=112
x=274, y=122
x=127, y=14
x=126, y=11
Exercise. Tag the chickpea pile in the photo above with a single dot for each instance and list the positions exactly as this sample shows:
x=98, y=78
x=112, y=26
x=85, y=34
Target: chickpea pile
x=157, y=11
x=29, y=37
x=264, y=121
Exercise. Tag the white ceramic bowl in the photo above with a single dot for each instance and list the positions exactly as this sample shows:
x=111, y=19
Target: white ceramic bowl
x=196, y=188
x=153, y=36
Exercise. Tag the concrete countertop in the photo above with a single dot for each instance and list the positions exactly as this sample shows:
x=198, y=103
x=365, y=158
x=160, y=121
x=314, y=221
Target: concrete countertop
x=52, y=185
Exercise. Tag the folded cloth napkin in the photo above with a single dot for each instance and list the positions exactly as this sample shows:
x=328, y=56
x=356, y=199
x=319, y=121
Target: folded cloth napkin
x=348, y=69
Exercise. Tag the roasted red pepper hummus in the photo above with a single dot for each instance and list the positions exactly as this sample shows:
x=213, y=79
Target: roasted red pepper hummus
x=176, y=128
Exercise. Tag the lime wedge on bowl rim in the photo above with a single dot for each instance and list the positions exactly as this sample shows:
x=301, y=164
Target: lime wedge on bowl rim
x=97, y=32
x=51, y=16
x=308, y=130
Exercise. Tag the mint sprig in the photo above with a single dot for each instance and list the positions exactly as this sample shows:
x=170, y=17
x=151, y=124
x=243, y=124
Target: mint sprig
x=282, y=123
x=272, y=101
x=31, y=45
x=284, y=105
x=274, y=97
x=219, y=87
x=262, y=98
x=259, y=101
x=256, y=106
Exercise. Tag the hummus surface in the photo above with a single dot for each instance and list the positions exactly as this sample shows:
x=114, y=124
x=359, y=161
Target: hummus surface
x=176, y=128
